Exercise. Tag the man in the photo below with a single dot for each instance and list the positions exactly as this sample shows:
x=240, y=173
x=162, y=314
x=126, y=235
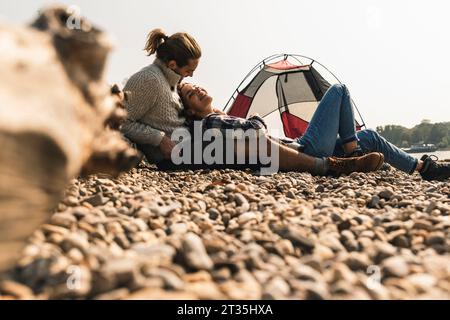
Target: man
x=153, y=104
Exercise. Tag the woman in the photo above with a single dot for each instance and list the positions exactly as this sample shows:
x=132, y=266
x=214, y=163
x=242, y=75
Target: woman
x=153, y=104
x=334, y=115
x=198, y=106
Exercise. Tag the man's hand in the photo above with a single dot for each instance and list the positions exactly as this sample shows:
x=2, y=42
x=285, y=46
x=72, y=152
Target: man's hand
x=166, y=147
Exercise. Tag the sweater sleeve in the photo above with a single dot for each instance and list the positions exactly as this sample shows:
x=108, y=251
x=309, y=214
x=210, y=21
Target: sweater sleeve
x=142, y=133
x=142, y=95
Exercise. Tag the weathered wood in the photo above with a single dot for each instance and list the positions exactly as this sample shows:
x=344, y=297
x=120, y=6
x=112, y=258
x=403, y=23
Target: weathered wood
x=54, y=106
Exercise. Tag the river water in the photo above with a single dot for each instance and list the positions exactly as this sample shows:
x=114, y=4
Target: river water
x=442, y=155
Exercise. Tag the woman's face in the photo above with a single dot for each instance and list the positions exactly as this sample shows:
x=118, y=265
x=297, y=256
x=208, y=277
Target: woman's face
x=196, y=99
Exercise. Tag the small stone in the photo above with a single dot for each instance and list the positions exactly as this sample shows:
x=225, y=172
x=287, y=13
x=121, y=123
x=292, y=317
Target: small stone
x=144, y=214
x=431, y=206
x=383, y=250
x=400, y=240
x=336, y=217
x=241, y=202
x=63, y=219
x=316, y=291
x=344, y=225
x=160, y=294
x=105, y=182
x=422, y=281
x=75, y=255
x=140, y=224
x=163, y=210
x=97, y=200
x=114, y=227
x=277, y=288
x=117, y=294
x=171, y=280
x=386, y=194
x=213, y=213
x=246, y=288
x=320, y=188
x=395, y=266
x=125, y=189
x=195, y=253
x=205, y=290
x=357, y=261
x=226, y=217
x=246, y=217
x=374, y=202
x=306, y=273
x=178, y=228
x=154, y=254
x=342, y=272
x=71, y=201
x=423, y=225
x=298, y=238
x=285, y=247
x=222, y=274
x=49, y=229
x=331, y=242
x=434, y=238
x=230, y=187
x=15, y=289
x=349, y=241
x=290, y=194
x=197, y=276
x=122, y=240
x=404, y=203
x=75, y=240
x=120, y=271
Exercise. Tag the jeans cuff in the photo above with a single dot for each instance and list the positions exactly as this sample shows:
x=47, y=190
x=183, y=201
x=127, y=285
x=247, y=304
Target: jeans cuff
x=414, y=166
x=350, y=139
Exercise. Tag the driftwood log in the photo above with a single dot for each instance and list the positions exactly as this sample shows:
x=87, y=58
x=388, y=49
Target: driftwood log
x=57, y=120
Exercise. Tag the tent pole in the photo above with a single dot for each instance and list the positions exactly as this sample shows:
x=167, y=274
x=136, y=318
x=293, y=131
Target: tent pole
x=248, y=75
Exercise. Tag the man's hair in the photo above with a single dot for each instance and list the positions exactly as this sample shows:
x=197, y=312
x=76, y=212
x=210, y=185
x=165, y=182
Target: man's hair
x=179, y=47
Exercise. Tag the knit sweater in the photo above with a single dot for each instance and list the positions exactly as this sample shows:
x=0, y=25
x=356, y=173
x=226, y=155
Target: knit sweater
x=153, y=106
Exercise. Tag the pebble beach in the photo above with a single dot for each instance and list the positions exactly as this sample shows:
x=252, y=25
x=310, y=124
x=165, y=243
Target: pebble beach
x=224, y=234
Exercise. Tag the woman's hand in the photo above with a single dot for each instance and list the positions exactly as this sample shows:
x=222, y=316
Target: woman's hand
x=166, y=147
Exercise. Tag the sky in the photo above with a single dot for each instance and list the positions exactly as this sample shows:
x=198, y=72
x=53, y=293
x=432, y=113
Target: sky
x=394, y=56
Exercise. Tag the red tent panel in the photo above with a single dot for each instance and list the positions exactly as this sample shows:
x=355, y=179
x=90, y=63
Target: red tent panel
x=293, y=126
x=240, y=106
x=283, y=65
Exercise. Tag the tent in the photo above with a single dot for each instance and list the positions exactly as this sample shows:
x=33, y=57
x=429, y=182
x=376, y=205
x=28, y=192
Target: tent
x=285, y=90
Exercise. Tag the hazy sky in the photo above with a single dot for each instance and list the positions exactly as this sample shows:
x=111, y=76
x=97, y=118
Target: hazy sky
x=393, y=55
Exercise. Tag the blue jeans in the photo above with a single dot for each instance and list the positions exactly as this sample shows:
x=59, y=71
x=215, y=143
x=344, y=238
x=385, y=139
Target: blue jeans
x=334, y=116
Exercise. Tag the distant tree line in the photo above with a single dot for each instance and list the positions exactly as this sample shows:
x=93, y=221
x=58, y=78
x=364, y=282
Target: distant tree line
x=425, y=132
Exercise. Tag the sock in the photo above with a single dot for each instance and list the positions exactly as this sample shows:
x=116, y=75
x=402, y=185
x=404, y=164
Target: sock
x=357, y=150
x=321, y=166
x=425, y=166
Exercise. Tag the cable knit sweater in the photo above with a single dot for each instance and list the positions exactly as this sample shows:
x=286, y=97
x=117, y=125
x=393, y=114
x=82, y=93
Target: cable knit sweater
x=153, y=106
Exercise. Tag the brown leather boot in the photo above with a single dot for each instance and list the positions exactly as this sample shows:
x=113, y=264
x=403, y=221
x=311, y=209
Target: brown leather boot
x=369, y=162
